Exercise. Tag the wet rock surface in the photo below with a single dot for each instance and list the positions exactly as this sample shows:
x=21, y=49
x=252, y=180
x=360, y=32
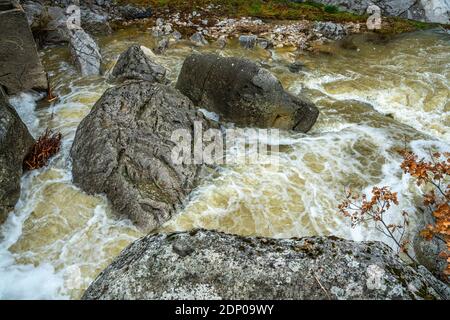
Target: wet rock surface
x=20, y=65
x=85, y=52
x=123, y=149
x=204, y=264
x=242, y=92
x=137, y=63
x=15, y=142
x=198, y=39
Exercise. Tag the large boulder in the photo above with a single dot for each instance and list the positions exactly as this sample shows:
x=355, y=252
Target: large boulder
x=137, y=63
x=55, y=29
x=85, y=52
x=49, y=23
x=123, y=149
x=15, y=142
x=242, y=92
x=20, y=66
x=209, y=265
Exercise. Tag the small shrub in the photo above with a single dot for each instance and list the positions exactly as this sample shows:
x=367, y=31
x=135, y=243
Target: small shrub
x=45, y=147
x=331, y=9
x=435, y=176
x=362, y=209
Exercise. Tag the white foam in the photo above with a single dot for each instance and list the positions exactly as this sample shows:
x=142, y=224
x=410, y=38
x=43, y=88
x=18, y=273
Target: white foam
x=25, y=104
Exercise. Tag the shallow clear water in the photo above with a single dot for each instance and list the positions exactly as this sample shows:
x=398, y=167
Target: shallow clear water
x=58, y=238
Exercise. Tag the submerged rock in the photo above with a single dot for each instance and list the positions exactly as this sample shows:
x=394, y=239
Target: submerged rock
x=15, y=142
x=198, y=39
x=123, y=149
x=296, y=67
x=222, y=41
x=242, y=92
x=85, y=52
x=248, y=41
x=136, y=63
x=210, y=265
x=20, y=66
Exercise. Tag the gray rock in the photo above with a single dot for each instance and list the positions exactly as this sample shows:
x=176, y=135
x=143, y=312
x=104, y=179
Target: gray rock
x=137, y=64
x=34, y=12
x=248, y=41
x=198, y=39
x=242, y=92
x=56, y=30
x=330, y=30
x=423, y=10
x=264, y=43
x=296, y=66
x=15, y=142
x=85, y=52
x=204, y=264
x=48, y=23
x=123, y=149
x=177, y=35
x=162, y=46
x=222, y=41
x=95, y=23
x=20, y=66
x=130, y=12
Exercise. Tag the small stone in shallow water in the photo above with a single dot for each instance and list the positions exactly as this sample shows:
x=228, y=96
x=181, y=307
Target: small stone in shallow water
x=296, y=67
x=162, y=46
x=264, y=43
x=222, y=41
x=248, y=41
x=198, y=39
x=177, y=35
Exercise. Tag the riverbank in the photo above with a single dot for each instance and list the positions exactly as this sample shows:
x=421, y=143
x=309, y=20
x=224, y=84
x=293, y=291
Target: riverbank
x=276, y=10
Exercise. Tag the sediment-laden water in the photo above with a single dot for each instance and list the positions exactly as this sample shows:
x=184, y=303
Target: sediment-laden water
x=58, y=238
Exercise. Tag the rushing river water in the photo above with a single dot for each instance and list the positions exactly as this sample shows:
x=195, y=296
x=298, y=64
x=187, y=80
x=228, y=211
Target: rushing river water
x=59, y=238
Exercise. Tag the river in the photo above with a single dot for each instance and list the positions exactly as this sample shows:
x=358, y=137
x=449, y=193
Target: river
x=58, y=238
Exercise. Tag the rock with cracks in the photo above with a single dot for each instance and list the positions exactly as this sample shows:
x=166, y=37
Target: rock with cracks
x=20, y=66
x=85, y=52
x=15, y=142
x=123, y=149
x=137, y=63
x=211, y=265
x=242, y=92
